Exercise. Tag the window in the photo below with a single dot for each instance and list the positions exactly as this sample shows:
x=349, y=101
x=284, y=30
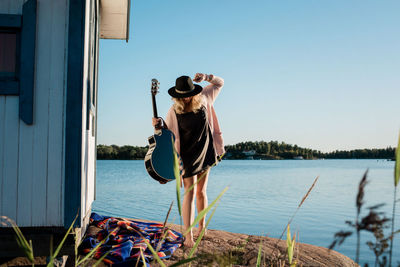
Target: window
x=17, y=57
x=10, y=27
x=8, y=54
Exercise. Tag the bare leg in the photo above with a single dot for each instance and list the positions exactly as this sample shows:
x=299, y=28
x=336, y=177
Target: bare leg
x=188, y=209
x=201, y=197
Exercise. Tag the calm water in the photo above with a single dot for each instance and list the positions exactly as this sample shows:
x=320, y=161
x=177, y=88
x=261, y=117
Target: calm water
x=261, y=198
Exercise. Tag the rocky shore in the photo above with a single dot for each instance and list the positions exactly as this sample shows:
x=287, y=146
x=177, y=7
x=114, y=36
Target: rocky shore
x=220, y=248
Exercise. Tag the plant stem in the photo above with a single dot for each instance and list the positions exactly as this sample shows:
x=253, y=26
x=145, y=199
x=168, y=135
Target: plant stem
x=392, y=237
x=358, y=238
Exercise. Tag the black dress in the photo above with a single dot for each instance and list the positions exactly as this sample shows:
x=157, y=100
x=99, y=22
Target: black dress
x=197, y=149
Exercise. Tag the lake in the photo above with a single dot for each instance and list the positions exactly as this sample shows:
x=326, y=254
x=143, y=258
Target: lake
x=262, y=196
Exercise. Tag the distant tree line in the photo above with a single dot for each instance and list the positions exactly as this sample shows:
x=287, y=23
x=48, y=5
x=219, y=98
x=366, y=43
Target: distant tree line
x=256, y=150
x=121, y=152
x=276, y=150
x=385, y=153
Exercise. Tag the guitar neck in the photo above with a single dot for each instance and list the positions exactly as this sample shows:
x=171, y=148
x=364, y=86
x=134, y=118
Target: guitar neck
x=153, y=98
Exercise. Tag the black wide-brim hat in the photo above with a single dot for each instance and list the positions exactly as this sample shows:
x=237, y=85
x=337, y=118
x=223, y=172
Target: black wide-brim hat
x=184, y=87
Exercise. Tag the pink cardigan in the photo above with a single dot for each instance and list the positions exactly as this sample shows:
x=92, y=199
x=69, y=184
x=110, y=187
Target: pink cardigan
x=210, y=93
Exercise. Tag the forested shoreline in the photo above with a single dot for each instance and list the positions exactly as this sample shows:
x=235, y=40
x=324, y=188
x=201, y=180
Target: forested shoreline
x=272, y=150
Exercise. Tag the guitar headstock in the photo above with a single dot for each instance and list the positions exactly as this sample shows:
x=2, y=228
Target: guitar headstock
x=154, y=86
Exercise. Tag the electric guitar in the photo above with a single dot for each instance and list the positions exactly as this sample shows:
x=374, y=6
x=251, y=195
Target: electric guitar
x=159, y=159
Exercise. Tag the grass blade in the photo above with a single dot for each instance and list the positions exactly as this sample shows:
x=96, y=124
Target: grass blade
x=156, y=257
x=258, y=264
x=24, y=244
x=20, y=238
x=90, y=254
x=202, y=232
x=155, y=254
x=164, y=233
x=177, y=179
x=53, y=256
x=166, y=217
x=396, y=181
x=183, y=262
x=142, y=256
x=288, y=237
x=101, y=259
x=204, y=212
x=397, y=164
x=290, y=245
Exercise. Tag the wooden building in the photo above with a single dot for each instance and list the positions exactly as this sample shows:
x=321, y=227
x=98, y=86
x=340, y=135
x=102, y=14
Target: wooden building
x=49, y=52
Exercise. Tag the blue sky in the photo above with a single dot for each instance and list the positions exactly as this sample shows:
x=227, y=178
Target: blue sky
x=319, y=74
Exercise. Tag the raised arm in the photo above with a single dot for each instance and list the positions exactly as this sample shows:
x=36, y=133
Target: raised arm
x=212, y=90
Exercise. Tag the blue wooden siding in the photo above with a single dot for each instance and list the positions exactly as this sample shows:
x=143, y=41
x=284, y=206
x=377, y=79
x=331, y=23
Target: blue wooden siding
x=32, y=157
x=73, y=137
x=47, y=168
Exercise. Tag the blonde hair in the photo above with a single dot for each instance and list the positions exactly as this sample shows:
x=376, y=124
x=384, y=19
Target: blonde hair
x=194, y=105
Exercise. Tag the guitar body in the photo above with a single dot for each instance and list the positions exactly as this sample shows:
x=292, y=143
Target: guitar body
x=159, y=160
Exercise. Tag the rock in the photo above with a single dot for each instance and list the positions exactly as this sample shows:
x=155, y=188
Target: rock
x=220, y=248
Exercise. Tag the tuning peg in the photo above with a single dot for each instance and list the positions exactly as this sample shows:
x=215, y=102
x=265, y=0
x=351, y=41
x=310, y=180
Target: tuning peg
x=155, y=82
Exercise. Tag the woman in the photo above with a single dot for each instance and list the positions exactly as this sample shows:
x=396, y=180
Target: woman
x=198, y=139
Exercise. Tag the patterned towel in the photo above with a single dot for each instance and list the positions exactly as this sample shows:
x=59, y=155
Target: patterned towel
x=124, y=240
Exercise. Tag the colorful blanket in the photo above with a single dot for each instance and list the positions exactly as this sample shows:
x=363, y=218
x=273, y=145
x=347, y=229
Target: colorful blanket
x=124, y=240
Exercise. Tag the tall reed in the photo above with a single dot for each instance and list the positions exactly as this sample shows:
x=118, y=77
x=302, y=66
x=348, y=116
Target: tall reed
x=396, y=182
x=299, y=206
x=359, y=204
x=295, y=212
x=374, y=222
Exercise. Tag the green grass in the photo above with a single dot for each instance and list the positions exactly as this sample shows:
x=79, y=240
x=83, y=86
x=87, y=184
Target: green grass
x=27, y=247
